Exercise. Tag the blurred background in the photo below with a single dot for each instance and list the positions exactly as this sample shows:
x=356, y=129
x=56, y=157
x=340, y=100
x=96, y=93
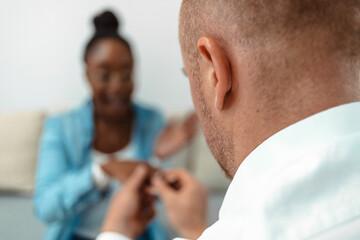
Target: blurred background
x=42, y=46
x=42, y=71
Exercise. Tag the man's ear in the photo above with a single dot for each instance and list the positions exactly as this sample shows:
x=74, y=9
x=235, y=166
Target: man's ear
x=220, y=72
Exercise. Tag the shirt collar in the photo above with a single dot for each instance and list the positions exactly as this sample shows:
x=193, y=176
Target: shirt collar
x=274, y=153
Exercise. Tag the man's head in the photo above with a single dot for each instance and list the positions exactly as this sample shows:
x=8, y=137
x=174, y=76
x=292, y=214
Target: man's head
x=257, y=66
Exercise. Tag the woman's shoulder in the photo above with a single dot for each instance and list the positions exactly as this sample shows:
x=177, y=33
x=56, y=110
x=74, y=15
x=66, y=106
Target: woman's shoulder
x=147, y=111
x=72, y=117
x=149, y=118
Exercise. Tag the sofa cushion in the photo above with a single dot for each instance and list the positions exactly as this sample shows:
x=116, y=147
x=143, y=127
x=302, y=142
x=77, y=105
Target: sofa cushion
x=19, y=139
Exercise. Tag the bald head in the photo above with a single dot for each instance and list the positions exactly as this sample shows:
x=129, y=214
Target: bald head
x=314, y=28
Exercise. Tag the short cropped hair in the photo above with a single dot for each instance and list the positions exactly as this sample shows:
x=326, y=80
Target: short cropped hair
x=331, y=26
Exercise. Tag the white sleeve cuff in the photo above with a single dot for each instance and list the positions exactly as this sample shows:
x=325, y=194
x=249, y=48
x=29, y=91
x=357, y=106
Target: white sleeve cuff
x=101, y=179
x=111, y=236
x=118, y=236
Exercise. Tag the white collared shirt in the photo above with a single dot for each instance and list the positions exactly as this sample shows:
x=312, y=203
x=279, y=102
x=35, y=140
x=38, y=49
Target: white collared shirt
x=301, y=183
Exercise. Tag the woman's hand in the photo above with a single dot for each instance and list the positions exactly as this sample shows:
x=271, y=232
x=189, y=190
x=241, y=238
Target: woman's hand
x=176, y=135
x=132, y=208
x=122, y=170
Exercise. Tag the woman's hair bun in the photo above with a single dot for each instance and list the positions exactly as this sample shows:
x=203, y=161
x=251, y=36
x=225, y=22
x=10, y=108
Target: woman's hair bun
x=106, y=23
x=106, y=26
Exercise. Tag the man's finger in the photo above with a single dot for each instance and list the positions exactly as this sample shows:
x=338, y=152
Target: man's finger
x=179, y=175
x=137, y=178
x=161, y=187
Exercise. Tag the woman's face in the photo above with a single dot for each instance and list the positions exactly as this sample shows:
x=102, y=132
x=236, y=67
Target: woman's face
x=109, y=71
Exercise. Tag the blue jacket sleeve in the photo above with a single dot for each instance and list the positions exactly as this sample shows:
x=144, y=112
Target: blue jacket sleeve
x=62, y=192
x=159, y=123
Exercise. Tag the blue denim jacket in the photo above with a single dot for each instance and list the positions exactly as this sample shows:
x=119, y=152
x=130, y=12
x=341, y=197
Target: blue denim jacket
x=64, y=185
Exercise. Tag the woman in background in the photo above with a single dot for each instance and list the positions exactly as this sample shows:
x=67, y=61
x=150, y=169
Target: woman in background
x=72, y=189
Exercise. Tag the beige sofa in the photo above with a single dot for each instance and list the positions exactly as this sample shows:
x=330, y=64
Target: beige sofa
x=19, y=139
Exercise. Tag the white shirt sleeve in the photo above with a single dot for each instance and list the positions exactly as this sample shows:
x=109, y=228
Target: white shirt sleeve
x=118, y=236
x=111, y=236
x=101, y=179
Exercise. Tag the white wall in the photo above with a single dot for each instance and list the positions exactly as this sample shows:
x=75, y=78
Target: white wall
x=42, y=42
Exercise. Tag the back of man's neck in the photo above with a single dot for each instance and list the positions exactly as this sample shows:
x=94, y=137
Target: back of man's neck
x=316, y=96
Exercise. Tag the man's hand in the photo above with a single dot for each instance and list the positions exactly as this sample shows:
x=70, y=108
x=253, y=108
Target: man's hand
x=176, y=135
x=132, y=207
x=187, y=205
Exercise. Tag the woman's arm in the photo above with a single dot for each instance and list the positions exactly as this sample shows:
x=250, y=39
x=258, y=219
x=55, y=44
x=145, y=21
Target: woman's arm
x=175, y=135
x=61, y=193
